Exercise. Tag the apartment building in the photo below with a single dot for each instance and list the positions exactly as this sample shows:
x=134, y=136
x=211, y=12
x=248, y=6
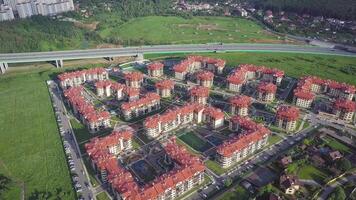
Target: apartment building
x=94, y=120
x=155, y=69
x=148, y=103
x=250, y=137
x=239, y=105
x=77, y=78
x=164, y=88
x=287, y=117
x=180, y=116
x=108, y=88
x=266, y=92
x=133, y=79
x=195, y=63
x=344, y=109
x=6, y=13
x=187, y=173
x=199, y=94
x=205, y=78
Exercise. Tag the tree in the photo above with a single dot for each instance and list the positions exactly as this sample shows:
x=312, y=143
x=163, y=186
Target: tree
x=343, y=164
x=338, y=194
x=228, y=182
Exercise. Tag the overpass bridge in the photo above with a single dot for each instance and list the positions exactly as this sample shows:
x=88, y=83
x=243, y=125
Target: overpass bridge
x=58, y=57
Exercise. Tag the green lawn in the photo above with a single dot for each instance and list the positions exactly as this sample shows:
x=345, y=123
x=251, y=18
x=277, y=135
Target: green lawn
x=178, y=30
x=336, y=145
x=311, y=172
x=195, y=142
x=102, y=196
x=238, y=193
x=273, y=139
x=215, y=167
x=31, y=152
x=294, y=64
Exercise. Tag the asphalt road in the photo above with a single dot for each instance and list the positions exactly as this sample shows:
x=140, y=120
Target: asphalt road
x=71, y=146
x=130, y=51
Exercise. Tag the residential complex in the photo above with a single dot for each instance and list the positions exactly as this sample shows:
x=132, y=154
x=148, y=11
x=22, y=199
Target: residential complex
x=249, y=138
x=134, y=79
x=28, y=8
x=195, y=63
x=180, y=116
x=76, y=78
x=155, y=69
x=95, y=120
x=148, y=103
x=287, y=117
x=164, y=88
x=344, y=109
x=239, y=105
x=188, y=172
x=199, y=94
x=205, y=78
x=266, y=92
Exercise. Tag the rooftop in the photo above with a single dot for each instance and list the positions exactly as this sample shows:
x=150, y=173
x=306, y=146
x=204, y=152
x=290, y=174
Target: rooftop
x=155, y=66
x=165, y=84
x=346, y=105
x=134, y=76
x=199, y=91
x=240, y=101
x=147, y=99
x=205, y=75
x=289, y=113
x=70, y=75
x=267, y=87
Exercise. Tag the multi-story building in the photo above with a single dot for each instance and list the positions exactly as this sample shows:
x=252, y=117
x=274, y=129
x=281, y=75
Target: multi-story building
x=6, y=13
x=235, y=83
x=76, y=78
x=239, y=105
x=199, y=94
x=287, y=117
x=131, y=94
x=194, y=63
x=341, y=90
x=246, y=72
x=85, y=112
x=308, y=86
x=164, y=88
x=344, y=109
x=148, y=103
x=155, y=69
x=266, y=91
x=180, y=116
x=134, y=79
x=115, y=143
x=205, y=78
x=303, y=98
x=108, y=88
x=250, y=137
x=187, y=174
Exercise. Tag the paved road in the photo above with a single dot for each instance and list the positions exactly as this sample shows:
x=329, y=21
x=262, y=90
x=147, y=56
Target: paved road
x=71, y=145
x=329, y=189
x=130, y=51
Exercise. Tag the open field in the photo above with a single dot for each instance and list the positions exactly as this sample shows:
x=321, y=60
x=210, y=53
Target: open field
x=31, y=152
x=311, y=172
x=294, y=64
x=238, y=193
x=178, y=30
x=195, y=142
x=338, y=146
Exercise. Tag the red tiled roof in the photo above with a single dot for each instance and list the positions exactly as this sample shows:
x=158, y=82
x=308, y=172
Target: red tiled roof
x=165, y=84
x=134, y=76
x=253, y=132
x=303, y=94
x=199, y=91
x=109, y=83
x=241, y=101
x=87, y=110
x=130, y=92
x=267, y=87
x=205, y=75
x=288, y=113
x=155, y=66
x=215, y=113
x=346, y=105
x=183, y=65
x=147, y=99
x=71, y=75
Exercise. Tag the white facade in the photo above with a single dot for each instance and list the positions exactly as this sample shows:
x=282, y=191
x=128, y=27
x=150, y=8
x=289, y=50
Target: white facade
x=6, y=13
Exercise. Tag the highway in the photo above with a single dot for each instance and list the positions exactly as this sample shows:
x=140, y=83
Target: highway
x=133, y=51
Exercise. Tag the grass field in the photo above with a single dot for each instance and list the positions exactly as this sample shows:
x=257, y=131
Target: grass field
x=195, y=142
x=294, y=64
x=31, y=153
x=102, y=196
x=178, y=30
x=238, y=193
x=336, y=145
x=215, y=167
x=311, y=172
